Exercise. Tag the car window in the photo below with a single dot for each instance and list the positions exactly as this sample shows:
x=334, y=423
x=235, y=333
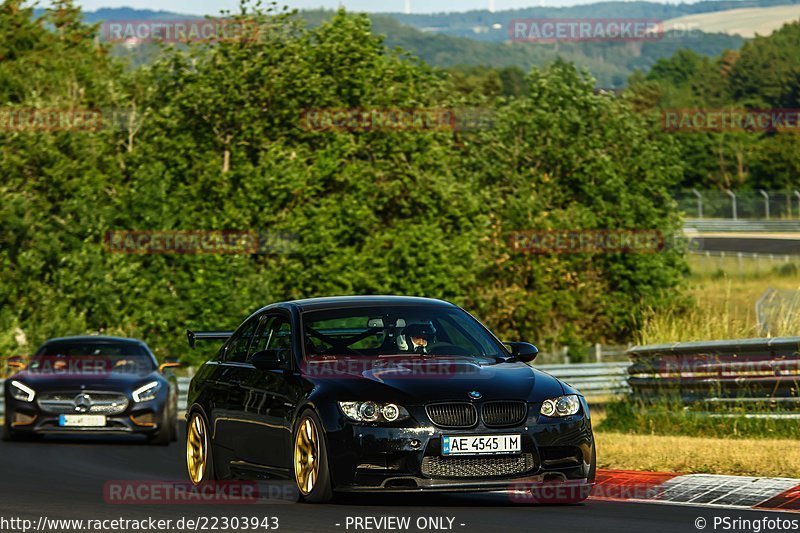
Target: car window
x=240, y=342
x=274, y=333
x=379, y=331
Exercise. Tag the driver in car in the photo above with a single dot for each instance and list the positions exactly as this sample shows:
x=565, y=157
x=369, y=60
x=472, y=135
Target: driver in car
x=418, y=336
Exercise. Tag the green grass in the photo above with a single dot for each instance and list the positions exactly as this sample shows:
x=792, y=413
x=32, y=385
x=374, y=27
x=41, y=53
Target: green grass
x=629, y=416
x=724, y=293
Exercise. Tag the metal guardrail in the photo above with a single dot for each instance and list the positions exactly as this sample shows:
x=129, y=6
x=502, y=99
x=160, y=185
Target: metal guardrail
x=594, y=380
x=183, y=390
x=725, y=225
x=752, y=374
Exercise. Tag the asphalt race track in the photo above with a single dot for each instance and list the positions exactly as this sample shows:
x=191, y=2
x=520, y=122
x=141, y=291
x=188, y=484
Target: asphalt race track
x=65, y=478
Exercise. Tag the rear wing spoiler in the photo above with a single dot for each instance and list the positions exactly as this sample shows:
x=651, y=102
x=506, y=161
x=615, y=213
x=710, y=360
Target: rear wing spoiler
x=195, y=336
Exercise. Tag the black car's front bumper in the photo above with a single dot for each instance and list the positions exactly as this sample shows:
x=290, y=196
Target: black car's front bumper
x=29, y=418
x=371, y=458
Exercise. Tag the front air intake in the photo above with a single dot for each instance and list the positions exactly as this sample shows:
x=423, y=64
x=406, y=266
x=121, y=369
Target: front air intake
x=453, y=414
x=504, y=414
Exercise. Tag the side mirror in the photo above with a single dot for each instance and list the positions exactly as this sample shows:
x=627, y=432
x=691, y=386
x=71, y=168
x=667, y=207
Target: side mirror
x=523, y=351
x=16, y=363
x=170, y=362
x=268, y=359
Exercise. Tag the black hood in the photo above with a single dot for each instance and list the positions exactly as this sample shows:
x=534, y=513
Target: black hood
x=420, y=380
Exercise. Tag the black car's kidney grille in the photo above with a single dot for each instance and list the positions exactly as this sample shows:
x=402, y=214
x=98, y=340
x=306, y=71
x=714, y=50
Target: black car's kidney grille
x=98, y=403
x=453, y=415
x=505, y=413
x=479, y=467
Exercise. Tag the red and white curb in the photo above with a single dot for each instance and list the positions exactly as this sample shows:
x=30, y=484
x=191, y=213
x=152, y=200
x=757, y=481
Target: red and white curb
x=708, y=490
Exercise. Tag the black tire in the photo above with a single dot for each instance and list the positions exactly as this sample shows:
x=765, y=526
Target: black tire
x=164, y=435
x=210, y=473
x=8, y=434
x=174, y=421
x=323, y=487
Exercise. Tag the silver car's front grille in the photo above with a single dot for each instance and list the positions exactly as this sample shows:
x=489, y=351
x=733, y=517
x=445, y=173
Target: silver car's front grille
x=98, y=403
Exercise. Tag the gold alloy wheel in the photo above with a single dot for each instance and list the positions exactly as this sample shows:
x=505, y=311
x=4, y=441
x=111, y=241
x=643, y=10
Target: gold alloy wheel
x=306, y=456
x=196, y=449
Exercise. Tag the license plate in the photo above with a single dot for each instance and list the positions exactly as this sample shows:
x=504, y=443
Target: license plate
x=84, y=421
x=481, y=444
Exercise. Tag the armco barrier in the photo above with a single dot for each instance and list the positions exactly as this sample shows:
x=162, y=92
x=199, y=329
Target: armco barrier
x=594, y=380
x=761, y=373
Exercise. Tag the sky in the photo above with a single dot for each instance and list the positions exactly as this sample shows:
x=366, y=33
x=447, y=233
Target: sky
x=203, y=7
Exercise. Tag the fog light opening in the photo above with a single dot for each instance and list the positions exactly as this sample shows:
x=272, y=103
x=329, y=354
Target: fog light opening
x=146, y=420
x=21, y=419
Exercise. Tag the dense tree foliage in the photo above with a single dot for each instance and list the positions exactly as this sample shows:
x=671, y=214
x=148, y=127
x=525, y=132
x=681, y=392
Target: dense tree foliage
x=213, y=139
x=764, y=74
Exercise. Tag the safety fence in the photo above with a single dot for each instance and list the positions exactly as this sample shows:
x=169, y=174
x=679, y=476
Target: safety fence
x=753, y=204
x=752, y=375
x=727, y=225
x=595, y=380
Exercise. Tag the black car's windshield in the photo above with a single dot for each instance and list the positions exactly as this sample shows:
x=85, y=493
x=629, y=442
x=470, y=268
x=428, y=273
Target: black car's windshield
x=376, y=331
x=83, y=357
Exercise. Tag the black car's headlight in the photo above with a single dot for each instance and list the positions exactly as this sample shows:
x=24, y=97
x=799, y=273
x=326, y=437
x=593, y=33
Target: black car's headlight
x=373, y=412
x=21, y=392
x=561, y=406
x=145, y=393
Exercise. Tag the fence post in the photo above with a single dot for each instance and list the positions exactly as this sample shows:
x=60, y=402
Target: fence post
x=565, y=354
x=766, y=202
x=733, y=202
x=598, y=352
x=741, y=264
x=796, y=193
x=699, y=203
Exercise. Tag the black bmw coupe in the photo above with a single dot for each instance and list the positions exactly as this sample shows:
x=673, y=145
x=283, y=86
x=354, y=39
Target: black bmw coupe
x=382, y=393
x=92, y=385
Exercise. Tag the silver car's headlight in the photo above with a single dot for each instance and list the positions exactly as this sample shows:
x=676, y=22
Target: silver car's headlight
x=561, y=406
x=373, y=412
x=21, y=392
x=147, y=392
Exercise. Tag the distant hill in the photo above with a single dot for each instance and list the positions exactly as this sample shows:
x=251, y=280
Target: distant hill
x=610, y=62
x=486, y=26
x=746, y=22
